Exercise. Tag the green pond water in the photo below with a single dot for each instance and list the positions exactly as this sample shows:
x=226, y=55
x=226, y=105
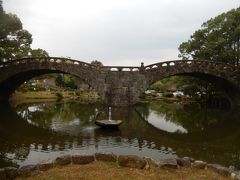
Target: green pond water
x=34, y=132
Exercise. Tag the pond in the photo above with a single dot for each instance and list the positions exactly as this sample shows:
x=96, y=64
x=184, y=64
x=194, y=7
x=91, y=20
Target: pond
x=42, y=131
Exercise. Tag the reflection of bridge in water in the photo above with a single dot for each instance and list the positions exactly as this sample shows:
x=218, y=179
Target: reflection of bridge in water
x=24, y=137
x=120, y=85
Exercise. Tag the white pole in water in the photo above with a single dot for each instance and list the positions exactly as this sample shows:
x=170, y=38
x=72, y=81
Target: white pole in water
x=109, y=114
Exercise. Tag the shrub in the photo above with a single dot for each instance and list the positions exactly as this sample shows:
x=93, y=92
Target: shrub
x=79, y=92
x=59, y=95
x=168, y=94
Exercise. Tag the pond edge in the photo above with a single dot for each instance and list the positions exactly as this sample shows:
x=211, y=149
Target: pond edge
x=131, y=161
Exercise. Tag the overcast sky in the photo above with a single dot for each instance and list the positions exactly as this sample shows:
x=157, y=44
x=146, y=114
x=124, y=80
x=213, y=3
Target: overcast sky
x=116, y=32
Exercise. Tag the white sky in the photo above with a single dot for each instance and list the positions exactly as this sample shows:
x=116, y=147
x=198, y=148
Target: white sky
x=116, y=32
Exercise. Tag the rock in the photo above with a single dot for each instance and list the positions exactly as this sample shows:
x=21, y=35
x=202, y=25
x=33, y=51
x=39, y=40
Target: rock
x=237, y=177
x=82, y=158
x=151, y=162
x=184, y=162
x=168, y=163
x=3, y=174
x=110, y=157
x=189, y=159
x=199, y=164
x=224, y=171
x=27, y=170
x=233, y=175
x=232, y=168
x=131, y=161
x=63, y=160
x=43, y=166
x=11, y=172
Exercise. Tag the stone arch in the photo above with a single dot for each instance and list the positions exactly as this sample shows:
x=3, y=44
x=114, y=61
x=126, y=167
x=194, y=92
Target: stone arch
x=13, y=74
x=122, y=87
x=222, y=75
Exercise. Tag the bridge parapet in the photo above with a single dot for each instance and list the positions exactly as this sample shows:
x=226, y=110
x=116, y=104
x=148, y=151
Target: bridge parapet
x=52, y=60
x=189, y=63
x=119, y=68
x=59, y=60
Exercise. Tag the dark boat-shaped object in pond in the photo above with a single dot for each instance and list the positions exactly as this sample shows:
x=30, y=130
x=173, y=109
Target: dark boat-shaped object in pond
x=108, y=123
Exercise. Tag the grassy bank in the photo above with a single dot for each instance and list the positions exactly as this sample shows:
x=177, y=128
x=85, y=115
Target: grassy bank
x=104, y=170
x=154, y=97
x=48, y=96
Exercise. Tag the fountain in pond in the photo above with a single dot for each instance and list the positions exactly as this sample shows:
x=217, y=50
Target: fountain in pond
x=108, y=123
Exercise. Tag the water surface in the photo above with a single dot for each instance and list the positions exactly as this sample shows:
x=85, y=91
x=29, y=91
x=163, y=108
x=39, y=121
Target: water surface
x=35, y=132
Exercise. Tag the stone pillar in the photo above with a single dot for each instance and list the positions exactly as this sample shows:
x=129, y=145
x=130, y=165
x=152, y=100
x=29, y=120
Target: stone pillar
x=124, y=88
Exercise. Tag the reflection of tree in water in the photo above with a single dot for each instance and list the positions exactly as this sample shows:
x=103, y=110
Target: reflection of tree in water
x=143, y=110
x=191, y=117
x=44, y=115
x=18, y=137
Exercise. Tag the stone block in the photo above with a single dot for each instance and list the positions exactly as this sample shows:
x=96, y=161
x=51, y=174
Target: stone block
x=3, y=174
x=11, y=172
x=199, y=164
x=151, y=162
x=189, y=159
x=82, y=158
x=237, y=177
x=44, y=166
x=224, y=171
x=27, y=170
x=106, y=157
x=184, y=162
x=168, y=163
x=131, y=161
x=63, y=160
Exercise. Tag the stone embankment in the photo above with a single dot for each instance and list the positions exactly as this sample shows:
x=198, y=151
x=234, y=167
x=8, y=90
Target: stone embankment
x=131, y=161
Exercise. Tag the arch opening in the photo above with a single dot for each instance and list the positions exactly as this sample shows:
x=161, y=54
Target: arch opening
x=43, y=83
x=207, y=89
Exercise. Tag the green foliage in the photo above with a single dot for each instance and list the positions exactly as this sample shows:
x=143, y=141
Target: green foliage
x=1, y=8
x=39, y=53
x=65, y=80
x=168, y=83
x=218, y=39
x=29, y=86
x=158, y=86
x=59, y=95
x=96, y=63
x=79, y=92
x=15, y=42
x=23, y=88
x=189, y=85
x=168, y=94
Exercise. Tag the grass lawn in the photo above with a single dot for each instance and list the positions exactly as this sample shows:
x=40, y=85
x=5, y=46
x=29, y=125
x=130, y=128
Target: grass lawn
x=47, y=96
x=104, y=170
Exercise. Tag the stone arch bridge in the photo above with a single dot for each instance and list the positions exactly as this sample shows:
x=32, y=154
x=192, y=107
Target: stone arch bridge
x=119, y=85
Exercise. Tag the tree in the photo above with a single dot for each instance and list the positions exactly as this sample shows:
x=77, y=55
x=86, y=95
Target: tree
x=1, y=8
x=218, y=39
x=96, y=63
x=66, y=80
x=15, y=42
x=39, y=53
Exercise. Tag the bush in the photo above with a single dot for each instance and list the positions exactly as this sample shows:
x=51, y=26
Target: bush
x=59, y=95
x=79, y=92
x=23, y=89
x=178, y=96
x=142, y=96
x=168, y=94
